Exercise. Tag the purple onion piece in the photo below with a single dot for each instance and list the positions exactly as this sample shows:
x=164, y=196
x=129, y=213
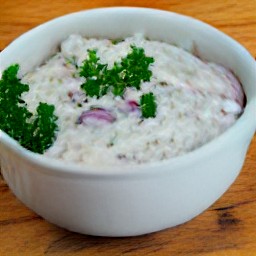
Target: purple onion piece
x=237, y=88
x=133, y=105
x=128, y=106
x=95, y=115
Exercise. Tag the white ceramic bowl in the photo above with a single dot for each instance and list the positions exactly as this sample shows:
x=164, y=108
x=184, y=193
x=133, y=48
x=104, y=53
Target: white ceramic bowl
x=130, y=200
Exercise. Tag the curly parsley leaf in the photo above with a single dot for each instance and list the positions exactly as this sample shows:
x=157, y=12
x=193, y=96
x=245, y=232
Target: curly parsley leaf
x=114, y=80
x=148, y=105
x=34, y=132
x=13, y=113
x=94, y=72
x=43, y=128
x=130, y=72
x=135, y=67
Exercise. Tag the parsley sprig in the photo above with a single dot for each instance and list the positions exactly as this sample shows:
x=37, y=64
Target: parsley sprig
x=34, y=132
x=95, y=74
x=130, y=72
x=134, y=67
x=148, y=105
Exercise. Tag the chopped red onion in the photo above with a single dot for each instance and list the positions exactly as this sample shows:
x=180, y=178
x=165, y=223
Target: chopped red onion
x=133, y=105
x=94, y=115
x=128, y=106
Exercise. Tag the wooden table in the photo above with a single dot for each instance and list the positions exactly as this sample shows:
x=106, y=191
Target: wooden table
x=226, y=228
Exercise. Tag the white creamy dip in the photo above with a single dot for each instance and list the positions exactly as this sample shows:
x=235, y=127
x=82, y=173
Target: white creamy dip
x=196, y=101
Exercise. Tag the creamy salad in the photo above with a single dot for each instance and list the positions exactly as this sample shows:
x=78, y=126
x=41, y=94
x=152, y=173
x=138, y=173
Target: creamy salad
x=195, y=102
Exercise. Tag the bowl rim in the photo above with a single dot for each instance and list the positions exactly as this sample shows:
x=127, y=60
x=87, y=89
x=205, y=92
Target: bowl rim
x=59, y=167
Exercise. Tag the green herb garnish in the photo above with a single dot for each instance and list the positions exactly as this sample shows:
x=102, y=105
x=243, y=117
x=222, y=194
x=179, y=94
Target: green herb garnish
x=95, y=74
x=34, y=132
x=135, y=67
x=148, y=105
x=130, y=72
x=117, y=41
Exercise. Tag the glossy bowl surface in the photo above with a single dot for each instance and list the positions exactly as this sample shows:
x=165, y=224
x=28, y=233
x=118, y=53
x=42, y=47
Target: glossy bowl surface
x=141, y=199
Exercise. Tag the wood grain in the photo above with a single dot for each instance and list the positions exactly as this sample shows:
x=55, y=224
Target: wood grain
x=226, y=228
